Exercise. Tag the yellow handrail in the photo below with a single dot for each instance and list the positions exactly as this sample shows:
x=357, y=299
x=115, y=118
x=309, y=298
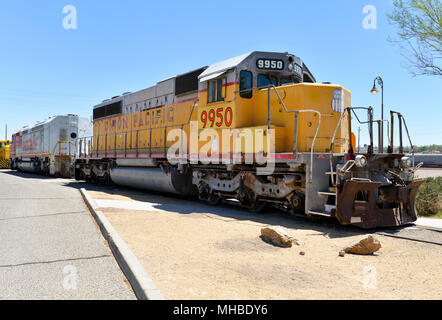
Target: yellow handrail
x=59, y=143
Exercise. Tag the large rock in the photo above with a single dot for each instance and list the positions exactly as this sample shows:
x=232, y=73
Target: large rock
x=278, y=237
x=367, y=245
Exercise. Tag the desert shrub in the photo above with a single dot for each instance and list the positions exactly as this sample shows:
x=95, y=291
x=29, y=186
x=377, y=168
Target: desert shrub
x=429, y=197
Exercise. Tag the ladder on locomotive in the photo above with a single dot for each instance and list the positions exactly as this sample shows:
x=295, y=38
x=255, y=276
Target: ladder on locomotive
x=332, y=197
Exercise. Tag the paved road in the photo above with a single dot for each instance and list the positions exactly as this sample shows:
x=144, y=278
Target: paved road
x=50, y=247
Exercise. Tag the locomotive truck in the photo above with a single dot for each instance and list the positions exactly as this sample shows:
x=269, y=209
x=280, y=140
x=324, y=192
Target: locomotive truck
x=256, y=130
x=48, y=146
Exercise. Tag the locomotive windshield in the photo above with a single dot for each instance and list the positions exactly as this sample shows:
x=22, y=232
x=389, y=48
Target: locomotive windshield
x=265, y=80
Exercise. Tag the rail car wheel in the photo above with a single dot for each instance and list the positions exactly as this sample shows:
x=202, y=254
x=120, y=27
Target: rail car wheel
x=258, y=207
x=108, y=180
x=77, y=174
x=93, y=178
x=297, y=202
x=214, y=200
x=45, y=169
x=206, y=194
x=250, y=201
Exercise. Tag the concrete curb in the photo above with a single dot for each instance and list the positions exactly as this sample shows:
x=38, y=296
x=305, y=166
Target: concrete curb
x=141, y=283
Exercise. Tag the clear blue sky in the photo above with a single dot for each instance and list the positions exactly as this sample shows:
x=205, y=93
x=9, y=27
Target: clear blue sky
x=128, y=45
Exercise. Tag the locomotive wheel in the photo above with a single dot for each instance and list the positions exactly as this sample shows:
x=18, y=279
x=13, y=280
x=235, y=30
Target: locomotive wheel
x=45, y=170
x=249, y=200
x=214, y=200
x=257, y=207
x=297, y=204
x=77, y=174
x=93, y=178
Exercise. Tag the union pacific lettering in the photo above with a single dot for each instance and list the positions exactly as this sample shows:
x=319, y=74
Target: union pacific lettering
x=138, y=120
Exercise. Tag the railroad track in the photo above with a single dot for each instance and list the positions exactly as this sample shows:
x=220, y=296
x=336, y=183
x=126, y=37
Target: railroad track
x=416, y=233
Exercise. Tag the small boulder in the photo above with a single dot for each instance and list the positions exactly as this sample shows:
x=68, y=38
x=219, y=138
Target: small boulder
x=342, y=253
x=365, y=246
x=278, y=237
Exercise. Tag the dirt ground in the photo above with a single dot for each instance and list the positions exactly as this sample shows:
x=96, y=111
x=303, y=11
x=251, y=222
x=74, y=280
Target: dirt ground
x=194, y=251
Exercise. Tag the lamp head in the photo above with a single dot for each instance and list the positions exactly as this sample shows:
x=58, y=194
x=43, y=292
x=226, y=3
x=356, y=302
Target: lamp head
x=374, y=90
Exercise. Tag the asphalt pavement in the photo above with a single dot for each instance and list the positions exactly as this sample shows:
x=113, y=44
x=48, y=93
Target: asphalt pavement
x=50, y=247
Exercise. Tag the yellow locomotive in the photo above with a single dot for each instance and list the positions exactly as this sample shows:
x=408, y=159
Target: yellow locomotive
x=4, y=154
x=256, y=130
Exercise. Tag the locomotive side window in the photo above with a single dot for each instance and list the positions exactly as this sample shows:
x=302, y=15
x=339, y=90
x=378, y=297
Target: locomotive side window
x=245, y=84
x=215, y=91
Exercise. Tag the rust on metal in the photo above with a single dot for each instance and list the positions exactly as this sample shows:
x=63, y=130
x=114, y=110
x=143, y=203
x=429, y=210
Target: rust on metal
x=357, y=204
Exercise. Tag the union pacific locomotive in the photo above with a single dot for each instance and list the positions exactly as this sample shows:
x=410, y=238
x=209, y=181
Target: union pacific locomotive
x=256, y=130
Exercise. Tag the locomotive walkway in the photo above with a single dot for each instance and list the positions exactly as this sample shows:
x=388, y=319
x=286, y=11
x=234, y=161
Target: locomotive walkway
x=49, y=245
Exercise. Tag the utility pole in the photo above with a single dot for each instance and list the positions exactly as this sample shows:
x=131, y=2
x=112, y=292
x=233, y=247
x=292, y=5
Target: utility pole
x=6, y=131
x=359, y=137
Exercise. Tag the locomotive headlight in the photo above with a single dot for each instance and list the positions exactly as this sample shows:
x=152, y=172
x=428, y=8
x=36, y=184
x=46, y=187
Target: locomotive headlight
x=360, y=161
x=290, y=66
x=406, y=162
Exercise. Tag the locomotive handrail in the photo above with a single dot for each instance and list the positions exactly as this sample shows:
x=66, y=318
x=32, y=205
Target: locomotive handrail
x=401, y=119
x=361, y=122
x=336, y=130
x=150, y=135
x=295, y=136
x=59, y=149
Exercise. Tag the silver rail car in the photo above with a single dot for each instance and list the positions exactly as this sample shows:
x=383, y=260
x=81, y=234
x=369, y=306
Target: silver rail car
x=49, y=146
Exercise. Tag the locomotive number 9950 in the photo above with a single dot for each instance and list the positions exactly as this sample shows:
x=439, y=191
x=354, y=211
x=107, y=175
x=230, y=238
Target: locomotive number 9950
x=216, y=117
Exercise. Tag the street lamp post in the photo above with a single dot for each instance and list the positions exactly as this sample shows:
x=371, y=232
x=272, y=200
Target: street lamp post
x=379, y=80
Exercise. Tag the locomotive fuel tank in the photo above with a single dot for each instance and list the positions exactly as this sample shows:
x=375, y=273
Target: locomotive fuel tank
x=28, y=166
x=154, y=179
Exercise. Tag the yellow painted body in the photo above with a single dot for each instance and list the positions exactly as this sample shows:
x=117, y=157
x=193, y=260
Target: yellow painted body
x=144, y=133
x=4, y=154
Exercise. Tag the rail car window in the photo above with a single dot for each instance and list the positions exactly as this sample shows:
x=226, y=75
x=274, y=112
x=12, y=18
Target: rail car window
x=215, y=90
x=245, y=84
